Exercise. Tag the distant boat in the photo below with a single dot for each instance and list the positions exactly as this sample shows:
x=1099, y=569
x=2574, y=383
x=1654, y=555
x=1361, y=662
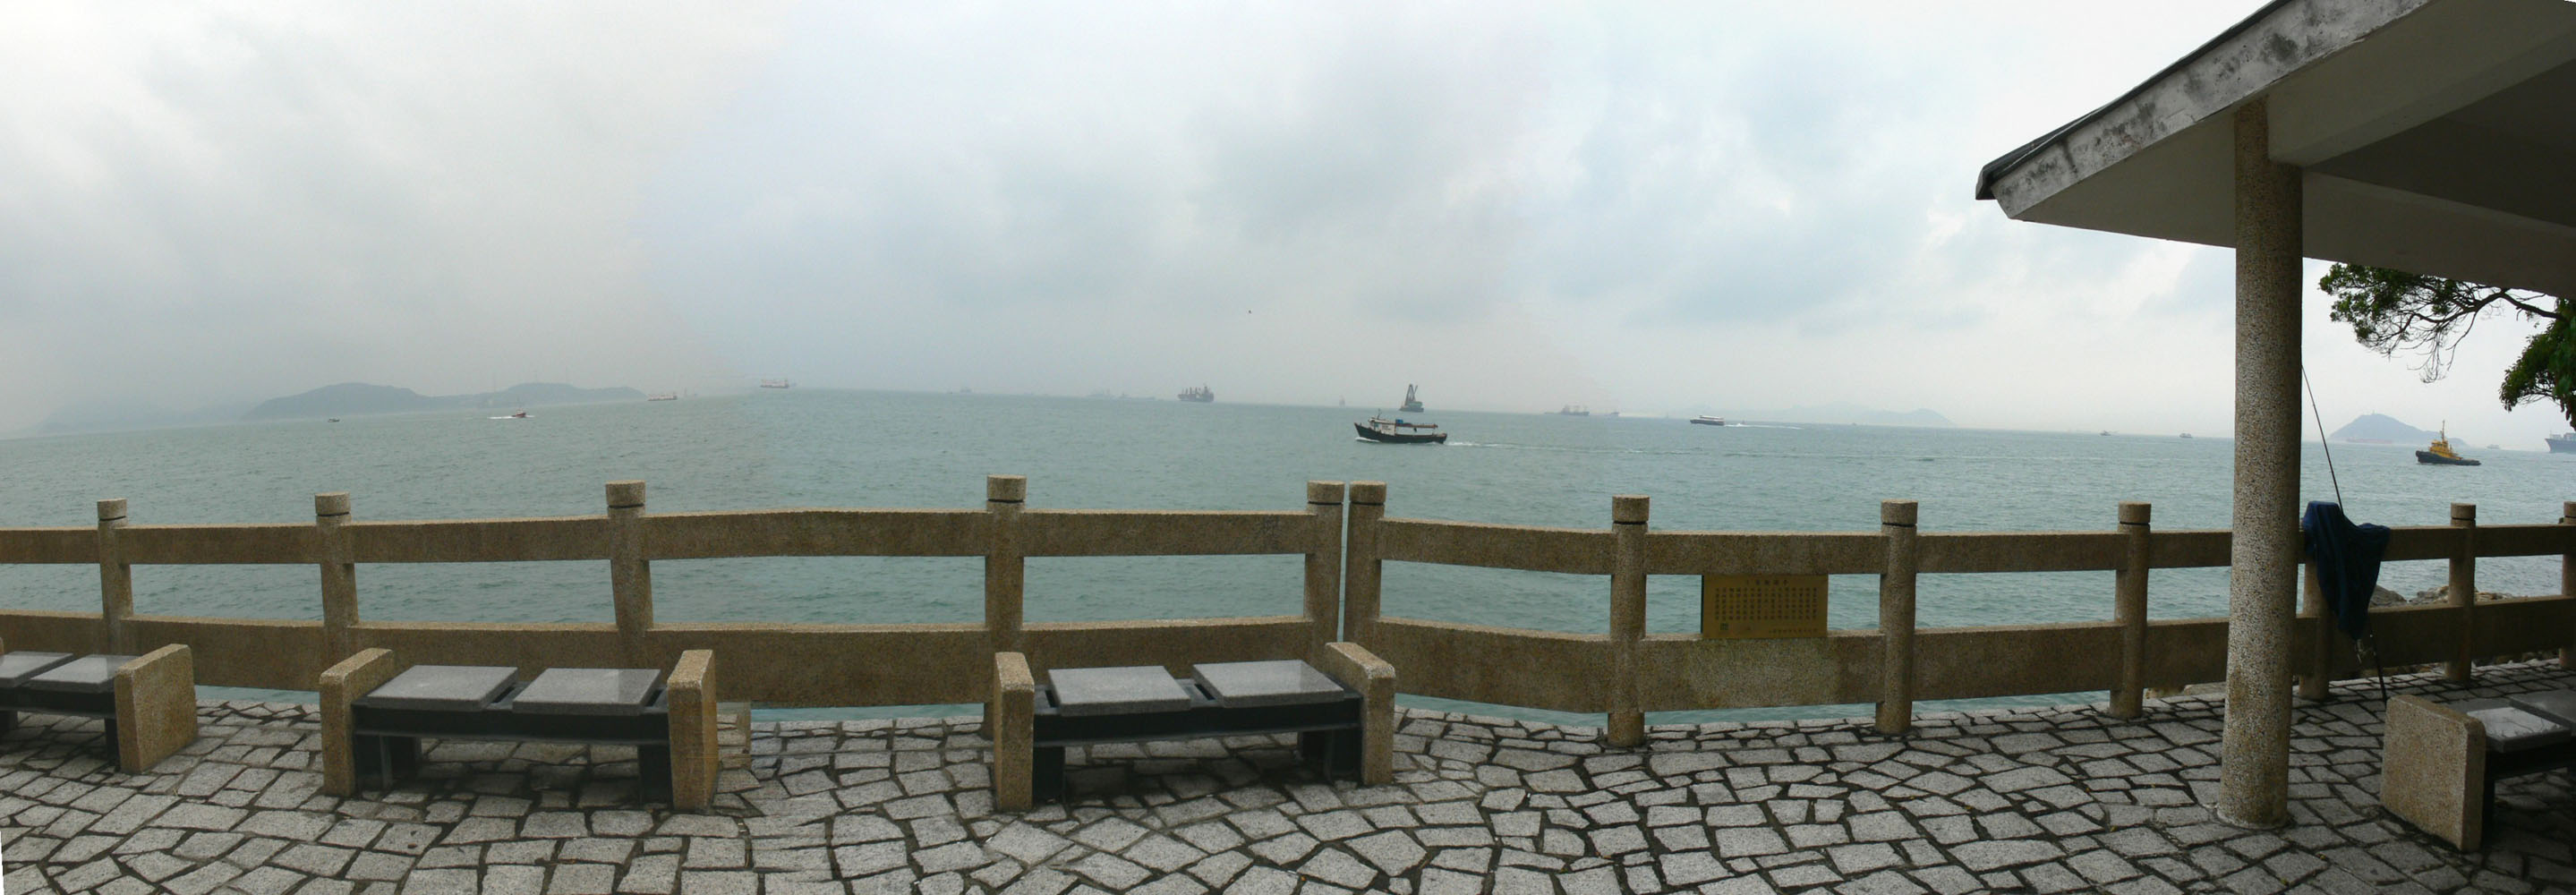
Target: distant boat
x=1397, y=431
x=2186, y=435
x=334, y=419
x=2440, y=454
x=1411, y=404
x=1200, y=394
x=1708, y=421
x=515, y=416
x=776, y=383
x=1575, y=410
x=665, y=396
x=2562, y=444
x=2106, y=431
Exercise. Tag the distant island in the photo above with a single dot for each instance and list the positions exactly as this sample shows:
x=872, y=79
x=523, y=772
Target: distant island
x=2372, y=428
x=359, y=399
x=1835, y=414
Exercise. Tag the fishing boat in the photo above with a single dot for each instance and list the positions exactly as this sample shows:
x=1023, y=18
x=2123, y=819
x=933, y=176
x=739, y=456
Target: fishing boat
x=2440, y=453
x=1411, y=404
x=1200, y=394
x=1397, y=431
x=1708, y=421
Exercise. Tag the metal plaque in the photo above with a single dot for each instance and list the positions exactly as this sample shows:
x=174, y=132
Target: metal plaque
x=1756, y=606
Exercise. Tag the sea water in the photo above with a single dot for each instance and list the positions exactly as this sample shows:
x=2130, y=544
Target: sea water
x=827, y=448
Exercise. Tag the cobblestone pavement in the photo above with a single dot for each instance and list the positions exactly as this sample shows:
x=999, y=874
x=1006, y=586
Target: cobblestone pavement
x=2038, y=800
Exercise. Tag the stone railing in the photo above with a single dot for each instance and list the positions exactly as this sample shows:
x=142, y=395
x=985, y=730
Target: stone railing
x=1621, y=674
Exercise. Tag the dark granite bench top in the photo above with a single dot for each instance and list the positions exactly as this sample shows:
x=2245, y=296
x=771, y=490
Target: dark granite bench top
x=453, y=688
x=588, y=691
x=16, y=668
x=1278, y=682
x=87, y=674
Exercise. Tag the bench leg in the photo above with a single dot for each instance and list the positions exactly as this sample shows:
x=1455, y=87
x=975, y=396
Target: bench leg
x=110, y=725
x=653, y=772
x=383, y=761
x=1046, y=774
x=8, y=721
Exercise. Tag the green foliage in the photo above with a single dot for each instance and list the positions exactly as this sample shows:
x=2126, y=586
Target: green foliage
x=2392, y=311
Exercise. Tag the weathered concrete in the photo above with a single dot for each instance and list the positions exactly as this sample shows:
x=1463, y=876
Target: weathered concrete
x=2263, y=567
x=2046, y=800
x=1896, y=664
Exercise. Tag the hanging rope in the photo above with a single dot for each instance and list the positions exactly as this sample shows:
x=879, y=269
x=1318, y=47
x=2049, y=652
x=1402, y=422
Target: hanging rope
x=2322, y=440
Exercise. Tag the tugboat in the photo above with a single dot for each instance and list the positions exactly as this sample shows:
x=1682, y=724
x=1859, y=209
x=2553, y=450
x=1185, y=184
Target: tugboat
x=1397, y=431
x=2440, y=453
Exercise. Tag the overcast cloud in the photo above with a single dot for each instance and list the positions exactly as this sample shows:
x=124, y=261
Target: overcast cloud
x=1518, y=206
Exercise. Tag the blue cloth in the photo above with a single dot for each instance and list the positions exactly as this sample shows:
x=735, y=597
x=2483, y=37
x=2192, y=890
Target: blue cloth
x=2347, y=558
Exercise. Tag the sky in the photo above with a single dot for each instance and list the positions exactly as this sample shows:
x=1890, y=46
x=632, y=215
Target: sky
x=1652, y=208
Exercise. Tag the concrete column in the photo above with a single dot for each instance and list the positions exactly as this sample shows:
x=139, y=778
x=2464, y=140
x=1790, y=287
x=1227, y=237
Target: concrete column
x=2129, y=609
x=1627, y=617
x=630, y=574
x=333, y=551
x=2464, y=592
x=115, y=579
x=1896, y=616
x=1324, y=565
x=2262, y=584
x=1005, y=567
x=2567, y=577
x=1362, y=570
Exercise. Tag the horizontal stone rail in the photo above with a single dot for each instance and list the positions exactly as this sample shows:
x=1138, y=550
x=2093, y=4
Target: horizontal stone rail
x=1630, y=671
x=794, y=664
x=1623, y=673
x=1526, y=548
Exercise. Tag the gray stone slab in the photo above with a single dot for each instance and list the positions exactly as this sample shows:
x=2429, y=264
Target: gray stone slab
x=443, y=687
x=2558, y=704
x=17, y=667
x=588, y=691
x=87, y=674
x=1280, y=682
x=2511, y=729
x=1130, y=690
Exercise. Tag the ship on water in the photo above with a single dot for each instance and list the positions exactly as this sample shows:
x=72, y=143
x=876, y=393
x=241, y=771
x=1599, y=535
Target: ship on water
x=2562, y=444
x=776, y=383
x=1200, y=394
x=1411, y=403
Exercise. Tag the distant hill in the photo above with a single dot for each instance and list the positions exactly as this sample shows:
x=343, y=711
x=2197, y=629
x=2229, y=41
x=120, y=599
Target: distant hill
x=1828, y=413
x=344, y=399
x=2374, y=427
x=360, y=399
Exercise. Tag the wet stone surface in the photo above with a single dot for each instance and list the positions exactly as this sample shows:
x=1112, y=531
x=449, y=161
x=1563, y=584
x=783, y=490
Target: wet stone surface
x=2056, y=799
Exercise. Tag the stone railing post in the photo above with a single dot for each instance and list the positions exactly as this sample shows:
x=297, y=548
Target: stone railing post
x=1627, y=617
x=331, y=548
x=1361, y=568
x=1324, y=565
x=2464, y=591
x=115, y=579
x=2567, y=575
x=2129, y=608
x=1005, y=567
x=1896, y=617
x=2321, y=635
x=630, y=572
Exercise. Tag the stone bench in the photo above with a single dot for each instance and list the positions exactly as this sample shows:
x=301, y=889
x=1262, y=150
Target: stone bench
x=2440, y=761
x=149, y=702
x=1343, y=714
x=375, y=713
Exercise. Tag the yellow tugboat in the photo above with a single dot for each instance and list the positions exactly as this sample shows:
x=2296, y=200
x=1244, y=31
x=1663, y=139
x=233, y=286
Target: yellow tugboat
x=2440, y=453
